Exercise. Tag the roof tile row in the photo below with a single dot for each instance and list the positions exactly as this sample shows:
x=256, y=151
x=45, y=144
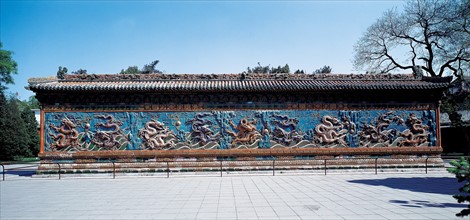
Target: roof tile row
x=231, y=85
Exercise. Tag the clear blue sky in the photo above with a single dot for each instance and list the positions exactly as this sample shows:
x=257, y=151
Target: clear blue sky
x=186, y=36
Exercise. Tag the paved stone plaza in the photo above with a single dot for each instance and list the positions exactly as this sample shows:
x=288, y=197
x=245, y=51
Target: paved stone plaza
x=335, y=196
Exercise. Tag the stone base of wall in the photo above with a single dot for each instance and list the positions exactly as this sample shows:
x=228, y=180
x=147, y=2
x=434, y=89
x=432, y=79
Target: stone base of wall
x=214, y=165
x=238, y=160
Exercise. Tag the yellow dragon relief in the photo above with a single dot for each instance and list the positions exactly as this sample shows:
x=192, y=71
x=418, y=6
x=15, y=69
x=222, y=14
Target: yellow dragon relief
x=67, y=135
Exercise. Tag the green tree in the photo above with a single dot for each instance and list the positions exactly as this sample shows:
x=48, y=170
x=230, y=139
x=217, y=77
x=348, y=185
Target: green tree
x=13, y=138
x=131, y=70
x=33, y=103
x=150, y=68
x=279, y=69
x=431, y=35
x=147, y=69
x=61, y=72
x=8, y=67
x=461, y=169
x=4, y=150
x=299, y=71
x=80, y=72
x=268, y=69
x=324, y=69
x=32, y=135
x=259, y=69
x=30, y=103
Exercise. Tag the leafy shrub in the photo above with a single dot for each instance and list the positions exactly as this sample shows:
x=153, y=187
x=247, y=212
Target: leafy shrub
x=461, y=169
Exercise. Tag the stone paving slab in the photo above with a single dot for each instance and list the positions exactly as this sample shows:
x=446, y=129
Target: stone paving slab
x=335, y=196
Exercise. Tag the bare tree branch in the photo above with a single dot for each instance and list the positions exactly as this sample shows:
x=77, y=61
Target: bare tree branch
x=434, y=33
x=413, y=59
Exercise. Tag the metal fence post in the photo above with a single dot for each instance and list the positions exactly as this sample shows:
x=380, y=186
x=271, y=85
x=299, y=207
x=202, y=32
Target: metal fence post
x=426, y=164
x=3, y=171
x=167, y=170
x=324, y=163
x=114, y=170
x=220, y=168
x=59, y=169
x=376, y=165
x=273, y=166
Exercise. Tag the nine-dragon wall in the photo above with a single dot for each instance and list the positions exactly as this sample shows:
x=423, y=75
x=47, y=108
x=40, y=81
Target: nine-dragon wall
x=238, y=129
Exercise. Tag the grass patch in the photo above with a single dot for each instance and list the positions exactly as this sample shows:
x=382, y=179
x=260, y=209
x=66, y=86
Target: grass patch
x=19, y=159
x=29, y=159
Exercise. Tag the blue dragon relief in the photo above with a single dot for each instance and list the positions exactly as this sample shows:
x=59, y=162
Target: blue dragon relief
x=285, y=130
x=201, y=135
x=109, y=134
x=380, y=132
x=391, y=130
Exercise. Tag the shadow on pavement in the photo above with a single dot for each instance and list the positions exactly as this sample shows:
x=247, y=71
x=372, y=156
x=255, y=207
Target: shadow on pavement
x=424, y=203
x=438, y=185
x=26, y=173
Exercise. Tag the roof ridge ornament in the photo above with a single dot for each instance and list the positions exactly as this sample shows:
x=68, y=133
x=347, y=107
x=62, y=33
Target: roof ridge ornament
x=417, y=72
x=234, y=77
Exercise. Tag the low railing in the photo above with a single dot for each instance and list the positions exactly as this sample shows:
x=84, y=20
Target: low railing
x=229, y=166
x=3, y=172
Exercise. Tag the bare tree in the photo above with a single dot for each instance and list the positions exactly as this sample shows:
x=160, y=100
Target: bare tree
x=433, y=35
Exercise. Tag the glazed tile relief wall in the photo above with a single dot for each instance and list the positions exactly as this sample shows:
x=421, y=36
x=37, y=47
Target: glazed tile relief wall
x=95, y=131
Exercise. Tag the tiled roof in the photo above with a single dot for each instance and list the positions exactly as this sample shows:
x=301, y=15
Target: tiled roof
x=235, y=82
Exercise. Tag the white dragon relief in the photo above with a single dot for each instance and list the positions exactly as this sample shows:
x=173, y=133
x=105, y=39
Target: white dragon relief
x=329, y=131
x=156, y=136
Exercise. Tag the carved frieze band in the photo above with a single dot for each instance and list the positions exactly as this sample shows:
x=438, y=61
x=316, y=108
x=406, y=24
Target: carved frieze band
x=242, y=129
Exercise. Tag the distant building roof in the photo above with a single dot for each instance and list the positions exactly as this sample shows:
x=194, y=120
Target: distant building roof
x=445, y=121
x=460, y=86
x=235, y=82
